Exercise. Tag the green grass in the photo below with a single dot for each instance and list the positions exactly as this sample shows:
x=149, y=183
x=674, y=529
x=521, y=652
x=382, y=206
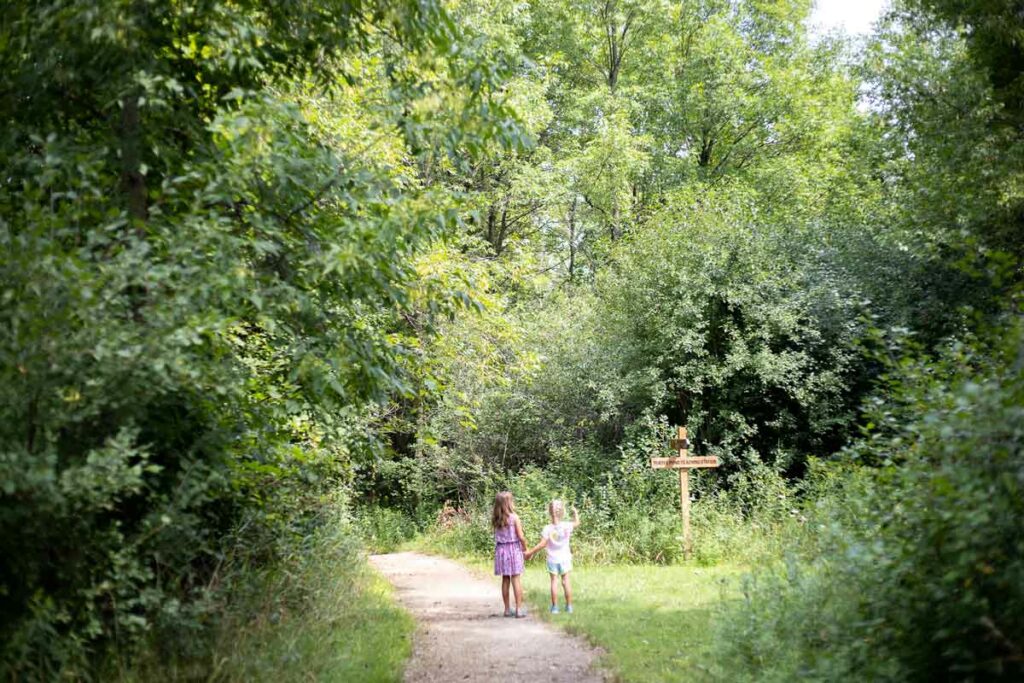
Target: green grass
x=327, y=617
x=318, y=613
x=352, y=630
x=653, y=621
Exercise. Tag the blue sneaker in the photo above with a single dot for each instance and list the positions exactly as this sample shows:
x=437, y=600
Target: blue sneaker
x=509, y=613
x=521, y=613
x=568, y=609
x=554, y=609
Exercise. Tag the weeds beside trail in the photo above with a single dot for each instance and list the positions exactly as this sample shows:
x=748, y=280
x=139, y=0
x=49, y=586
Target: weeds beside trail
x=351, y=630
x=632, y=518
x=320, y=614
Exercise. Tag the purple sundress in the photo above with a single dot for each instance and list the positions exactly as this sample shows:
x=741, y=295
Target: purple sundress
x=508, y=553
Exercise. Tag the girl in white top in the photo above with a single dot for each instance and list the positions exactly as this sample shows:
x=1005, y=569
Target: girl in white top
x=555, y=538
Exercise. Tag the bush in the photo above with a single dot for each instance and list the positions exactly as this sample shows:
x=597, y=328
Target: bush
x=468, y=536
x=317, y=612
x=631, y=514
x=919, y=573
x=202, y=270
x=383, y=529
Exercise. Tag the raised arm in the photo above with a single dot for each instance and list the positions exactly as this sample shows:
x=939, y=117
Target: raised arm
x=575, y=517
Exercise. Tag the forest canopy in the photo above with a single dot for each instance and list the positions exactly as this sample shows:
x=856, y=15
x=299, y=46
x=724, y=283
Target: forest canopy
x=272, y=268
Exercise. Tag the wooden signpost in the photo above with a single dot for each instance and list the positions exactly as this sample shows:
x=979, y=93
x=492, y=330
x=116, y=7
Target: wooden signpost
x=683, y=463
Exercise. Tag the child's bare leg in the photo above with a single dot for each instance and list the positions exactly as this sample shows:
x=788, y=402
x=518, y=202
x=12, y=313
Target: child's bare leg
x=505, y=580
x=517, y=586
x=566, y=587
x=554, y=588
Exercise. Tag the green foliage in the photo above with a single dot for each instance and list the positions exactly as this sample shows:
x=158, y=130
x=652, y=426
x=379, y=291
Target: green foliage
x=990, y=29
x=255, y=257
x=952, y=145
x=322, y=614
x=209, y=219
x=740, y=336
x=317, y=611
x=720, y=252
x=467, y=533
x=383, y=529
x=631, y=515
x=732, y=225
x=922, y=570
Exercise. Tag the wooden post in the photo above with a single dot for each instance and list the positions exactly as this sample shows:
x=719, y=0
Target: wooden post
x=682, y=444
x=684, y=499
x=683, y=462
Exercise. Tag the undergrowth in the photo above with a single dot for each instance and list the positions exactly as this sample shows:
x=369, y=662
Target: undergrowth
x=753, y=521
x=319, y=613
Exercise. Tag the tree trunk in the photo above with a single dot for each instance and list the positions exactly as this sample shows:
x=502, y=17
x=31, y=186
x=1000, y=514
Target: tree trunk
x=707, y=147
x=132, y=179
x=503, y=232
x=572, y=240
x=491, y=210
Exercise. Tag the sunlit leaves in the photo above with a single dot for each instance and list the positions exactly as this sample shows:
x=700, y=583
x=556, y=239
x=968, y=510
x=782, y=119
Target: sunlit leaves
x=210, y=218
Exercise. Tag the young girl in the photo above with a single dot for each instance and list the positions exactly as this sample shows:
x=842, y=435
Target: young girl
x=555, y=537
x=509, y=544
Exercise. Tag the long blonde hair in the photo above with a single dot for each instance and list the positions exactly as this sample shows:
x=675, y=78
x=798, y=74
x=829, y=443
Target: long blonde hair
x=556, y=510
x=504, y=508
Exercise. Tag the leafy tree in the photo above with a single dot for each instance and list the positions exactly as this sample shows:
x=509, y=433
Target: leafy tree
x=954, y=146
x=991, y=30
x=209, y=217
x=920, y=561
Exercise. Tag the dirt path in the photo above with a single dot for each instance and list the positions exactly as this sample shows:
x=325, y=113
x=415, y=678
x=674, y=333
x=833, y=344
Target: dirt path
x=463, y=636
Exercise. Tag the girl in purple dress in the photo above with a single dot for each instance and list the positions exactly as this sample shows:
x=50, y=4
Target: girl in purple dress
x=509, y=546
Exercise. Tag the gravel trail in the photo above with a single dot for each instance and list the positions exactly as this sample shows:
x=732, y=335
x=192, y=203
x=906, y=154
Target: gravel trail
x=462, y=635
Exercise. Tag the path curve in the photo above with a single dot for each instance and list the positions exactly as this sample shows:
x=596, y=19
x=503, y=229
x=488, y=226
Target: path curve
x=462, y=635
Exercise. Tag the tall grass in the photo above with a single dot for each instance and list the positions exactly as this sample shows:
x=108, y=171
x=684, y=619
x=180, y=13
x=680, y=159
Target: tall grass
x=320, y=613
x=751, y=522
x=339, y=622
x=382, y=529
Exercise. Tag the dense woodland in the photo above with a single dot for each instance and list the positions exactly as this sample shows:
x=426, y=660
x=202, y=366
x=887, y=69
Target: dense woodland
x=281, y=282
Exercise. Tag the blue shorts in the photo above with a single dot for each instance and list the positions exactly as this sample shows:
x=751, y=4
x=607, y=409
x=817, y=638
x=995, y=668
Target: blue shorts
x=560, y=568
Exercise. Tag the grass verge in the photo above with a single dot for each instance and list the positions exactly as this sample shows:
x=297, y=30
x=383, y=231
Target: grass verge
x=320, y=613
x=350, y=630
x=654, y=622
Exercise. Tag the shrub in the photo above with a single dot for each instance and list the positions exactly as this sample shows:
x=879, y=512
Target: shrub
x=468, y=536
x=315, y=612
x=631, y=514
x=383, y=529
x=919, y=572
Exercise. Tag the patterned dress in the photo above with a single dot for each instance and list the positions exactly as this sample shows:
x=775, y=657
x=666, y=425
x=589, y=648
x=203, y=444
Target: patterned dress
x=508, y=553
